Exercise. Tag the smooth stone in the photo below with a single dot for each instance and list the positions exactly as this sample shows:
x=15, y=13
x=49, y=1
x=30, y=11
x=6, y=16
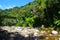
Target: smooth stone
x=54, y=32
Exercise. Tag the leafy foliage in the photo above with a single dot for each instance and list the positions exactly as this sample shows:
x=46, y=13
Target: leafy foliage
x=36, y=13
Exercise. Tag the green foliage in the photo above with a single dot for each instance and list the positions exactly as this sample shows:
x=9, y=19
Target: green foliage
x=57, y=22
x=59, y=12
x=29, y=21
x=8, y=22
x=38, y=12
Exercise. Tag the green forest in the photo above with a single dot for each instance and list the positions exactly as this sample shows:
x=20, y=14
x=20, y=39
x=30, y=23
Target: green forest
x=33, y=14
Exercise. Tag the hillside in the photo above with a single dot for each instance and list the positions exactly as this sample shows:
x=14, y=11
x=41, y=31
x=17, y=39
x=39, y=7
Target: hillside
x=34, y=14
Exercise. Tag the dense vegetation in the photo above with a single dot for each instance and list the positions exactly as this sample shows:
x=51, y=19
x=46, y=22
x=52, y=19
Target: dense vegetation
x=34, y=14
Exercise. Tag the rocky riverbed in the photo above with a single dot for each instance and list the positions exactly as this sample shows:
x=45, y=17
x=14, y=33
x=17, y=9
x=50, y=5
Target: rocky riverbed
x=27, y=33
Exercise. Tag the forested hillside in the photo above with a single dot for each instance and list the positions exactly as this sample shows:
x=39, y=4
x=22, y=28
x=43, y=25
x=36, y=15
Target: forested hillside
x=34, y=14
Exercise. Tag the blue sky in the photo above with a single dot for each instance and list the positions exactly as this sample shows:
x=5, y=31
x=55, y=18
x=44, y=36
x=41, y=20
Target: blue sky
x=6, y=4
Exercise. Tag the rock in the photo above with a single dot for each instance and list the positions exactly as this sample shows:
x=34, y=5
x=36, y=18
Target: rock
x=42, y=26
x=24, y=31
x=43, y=32
x=54, y=32
x=35, y=34
x=50, y=35
x=26, y=35
x=58, y=38
x=47, y=37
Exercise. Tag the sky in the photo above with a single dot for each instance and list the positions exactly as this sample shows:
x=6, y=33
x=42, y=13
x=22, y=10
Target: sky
x=6, y=4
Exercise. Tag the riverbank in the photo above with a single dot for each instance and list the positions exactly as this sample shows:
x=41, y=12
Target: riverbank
x=27, y=33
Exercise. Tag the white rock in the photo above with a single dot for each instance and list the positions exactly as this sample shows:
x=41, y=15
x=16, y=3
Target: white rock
x=47, y=37
x=26, y=35
x=24, y=31
x=50, y=35
x=42, y=32
x=35, y=34
x=36, y=30
x=54, y=32
x=58, y=38
x=42, y=26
